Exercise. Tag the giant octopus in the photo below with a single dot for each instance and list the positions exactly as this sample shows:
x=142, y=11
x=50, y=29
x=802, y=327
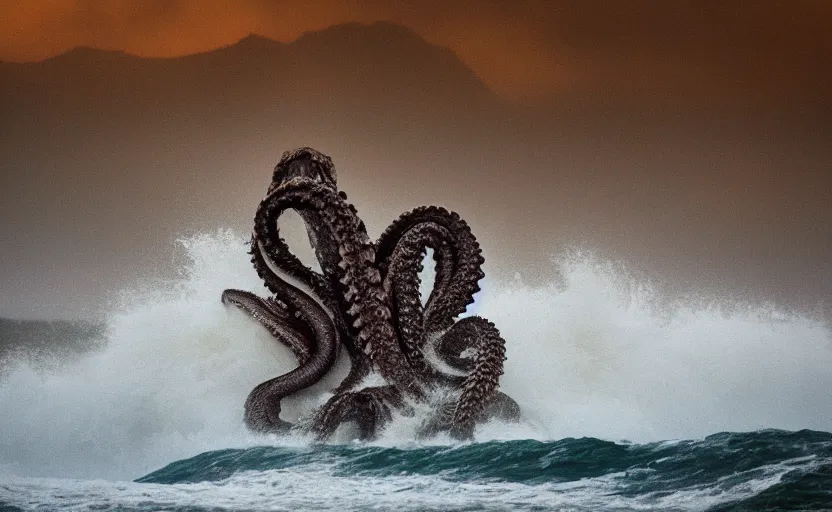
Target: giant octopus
x=366, y=298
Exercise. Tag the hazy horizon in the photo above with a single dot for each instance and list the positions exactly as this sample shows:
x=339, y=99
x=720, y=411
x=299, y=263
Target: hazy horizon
x=524, y=50
x=715, y=183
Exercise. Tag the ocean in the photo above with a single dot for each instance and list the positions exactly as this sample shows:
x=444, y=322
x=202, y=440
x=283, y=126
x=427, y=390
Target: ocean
x=629, y=403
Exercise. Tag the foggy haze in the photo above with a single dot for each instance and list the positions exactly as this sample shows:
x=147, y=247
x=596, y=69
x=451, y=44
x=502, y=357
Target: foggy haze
x=524, y=50
x=107, y=158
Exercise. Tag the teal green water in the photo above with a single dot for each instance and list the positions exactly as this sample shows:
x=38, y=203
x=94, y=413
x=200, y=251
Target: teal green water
x=758, y=471
x=765, y=470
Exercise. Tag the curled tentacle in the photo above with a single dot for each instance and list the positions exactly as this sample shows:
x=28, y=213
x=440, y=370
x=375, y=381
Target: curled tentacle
x=402, y=283
x=276, y=317
x=369, y=409
x=298, y=165
x=302, y=164
x=359, y=366
x=262, y=407
x=458, y=270
x=473, y=346
x=372, y=293
x=480, y=387
x=360, y=284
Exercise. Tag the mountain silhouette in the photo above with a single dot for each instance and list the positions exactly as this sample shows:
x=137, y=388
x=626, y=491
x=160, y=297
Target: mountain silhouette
x=130, y=152
x=106, y=158
x=380, y=66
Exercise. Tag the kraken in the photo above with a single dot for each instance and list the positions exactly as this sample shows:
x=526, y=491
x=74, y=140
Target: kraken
x=366, y=300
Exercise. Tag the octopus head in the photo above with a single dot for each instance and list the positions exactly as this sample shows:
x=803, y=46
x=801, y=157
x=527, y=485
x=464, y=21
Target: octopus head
x=304, y=163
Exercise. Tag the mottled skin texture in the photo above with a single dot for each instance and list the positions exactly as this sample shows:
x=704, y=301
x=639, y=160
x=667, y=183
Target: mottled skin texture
x=367, y=299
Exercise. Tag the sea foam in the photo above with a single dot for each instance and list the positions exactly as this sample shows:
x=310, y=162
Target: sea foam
x=589, y=354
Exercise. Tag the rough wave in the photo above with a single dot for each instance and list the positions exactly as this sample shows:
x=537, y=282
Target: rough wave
x=589, y=355
x=766, y=470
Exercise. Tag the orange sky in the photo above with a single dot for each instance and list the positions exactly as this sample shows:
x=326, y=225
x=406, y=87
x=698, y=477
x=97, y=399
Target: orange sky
x=524, y=49
x=715, y=113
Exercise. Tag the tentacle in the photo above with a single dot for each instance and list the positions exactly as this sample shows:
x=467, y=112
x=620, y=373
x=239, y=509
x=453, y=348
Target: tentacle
x=360, y=284
x=276, y=317
x=480, y=387
x=457, y=276
x=262, y=407
x=360, y=365
x=307, y=163
x=369, y=409
x=300, y=164
x=402, y=283
x=501, y=407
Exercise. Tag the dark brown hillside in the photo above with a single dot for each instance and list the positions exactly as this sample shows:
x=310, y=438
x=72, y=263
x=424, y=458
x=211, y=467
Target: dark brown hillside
x=105, y=158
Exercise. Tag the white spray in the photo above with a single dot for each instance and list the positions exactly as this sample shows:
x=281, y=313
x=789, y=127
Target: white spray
x=588, y=356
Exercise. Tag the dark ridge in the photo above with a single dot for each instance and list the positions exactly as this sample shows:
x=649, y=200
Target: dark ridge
x=362, y=33
x=89, y=54
x=42, y=341
x=399, y=53
x=257, y=41
x=252, y=45
x=381, y=67
x=723, y=203
x=350, y=46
